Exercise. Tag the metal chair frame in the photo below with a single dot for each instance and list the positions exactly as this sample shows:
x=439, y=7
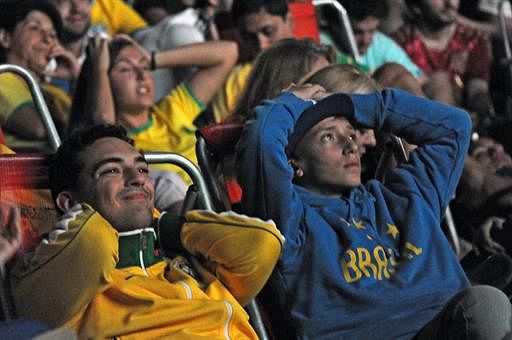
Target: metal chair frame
x=347, y=26
x=53, y=135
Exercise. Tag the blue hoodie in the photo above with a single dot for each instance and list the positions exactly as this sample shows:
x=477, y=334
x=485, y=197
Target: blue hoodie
x=373, y=263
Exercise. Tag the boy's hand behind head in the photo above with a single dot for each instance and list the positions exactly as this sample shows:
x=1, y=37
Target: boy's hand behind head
x=308, y=91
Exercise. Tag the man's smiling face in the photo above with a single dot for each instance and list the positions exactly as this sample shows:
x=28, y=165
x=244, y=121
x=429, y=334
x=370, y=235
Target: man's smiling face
x=114, y=180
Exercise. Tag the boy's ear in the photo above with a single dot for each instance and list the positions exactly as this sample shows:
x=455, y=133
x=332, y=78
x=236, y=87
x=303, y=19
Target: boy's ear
x=5, y=38
x=65, y=200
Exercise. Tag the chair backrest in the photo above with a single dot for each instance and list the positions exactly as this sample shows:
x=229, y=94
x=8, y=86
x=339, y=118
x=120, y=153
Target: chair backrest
x=305, y=24
x=215, y=143
x=24, y=182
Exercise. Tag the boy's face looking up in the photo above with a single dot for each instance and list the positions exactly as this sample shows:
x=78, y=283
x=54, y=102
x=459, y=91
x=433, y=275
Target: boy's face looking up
x=114, y=180
x=262, y=30
x=326, y=159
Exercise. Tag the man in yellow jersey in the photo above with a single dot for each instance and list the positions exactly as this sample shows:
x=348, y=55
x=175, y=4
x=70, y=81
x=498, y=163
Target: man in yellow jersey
x=100, y=273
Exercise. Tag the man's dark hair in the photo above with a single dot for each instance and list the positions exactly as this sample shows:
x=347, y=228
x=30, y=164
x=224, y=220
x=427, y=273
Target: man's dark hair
x=242, y=8
x=359, y=10
x=66, y=165
x=14, y=11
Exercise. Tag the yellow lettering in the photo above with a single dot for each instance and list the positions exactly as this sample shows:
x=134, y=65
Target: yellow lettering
x=350, y=266
x=365, y=262
x=411, y=248
x=382, y=262
x=392, y=258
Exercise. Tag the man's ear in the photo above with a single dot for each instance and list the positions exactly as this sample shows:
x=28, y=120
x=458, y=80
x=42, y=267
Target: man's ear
x=65, y=200
x=5, y=38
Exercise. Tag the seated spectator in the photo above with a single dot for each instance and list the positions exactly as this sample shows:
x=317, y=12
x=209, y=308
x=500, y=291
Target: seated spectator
x=456, y=58
x=348, y=78
x=484, y=198
x=374, y=47
x=364, y=261
x=99, y=272
x=115, y=86
x=261, y=23
x=82, y=19
x=29, y=37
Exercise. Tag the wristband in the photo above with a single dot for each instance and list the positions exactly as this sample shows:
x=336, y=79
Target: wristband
x=152, y=64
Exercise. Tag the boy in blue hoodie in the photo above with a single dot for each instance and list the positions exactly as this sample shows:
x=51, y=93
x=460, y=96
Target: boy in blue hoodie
x=364, y=261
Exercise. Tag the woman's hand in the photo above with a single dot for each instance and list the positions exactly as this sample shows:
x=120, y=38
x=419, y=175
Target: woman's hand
x=308, y=91
x=97, y=50
x=67, y=65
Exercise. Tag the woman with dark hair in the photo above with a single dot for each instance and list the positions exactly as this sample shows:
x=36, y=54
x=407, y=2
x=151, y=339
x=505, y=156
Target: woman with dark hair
x=29, y=37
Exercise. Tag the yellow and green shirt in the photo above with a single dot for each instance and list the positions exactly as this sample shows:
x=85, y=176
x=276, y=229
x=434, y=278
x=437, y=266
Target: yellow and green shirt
x=74, y=279
x=226, y=99
x=115, y=16
x=170, y=127
x=15, y=94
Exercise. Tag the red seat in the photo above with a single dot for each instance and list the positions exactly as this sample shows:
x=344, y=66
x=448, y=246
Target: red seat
x=305, y=24
x=214, y=144
x=24, y=182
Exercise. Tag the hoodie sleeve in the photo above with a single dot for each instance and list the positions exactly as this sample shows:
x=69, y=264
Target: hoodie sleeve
x=441, y=132
x=263, y=170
